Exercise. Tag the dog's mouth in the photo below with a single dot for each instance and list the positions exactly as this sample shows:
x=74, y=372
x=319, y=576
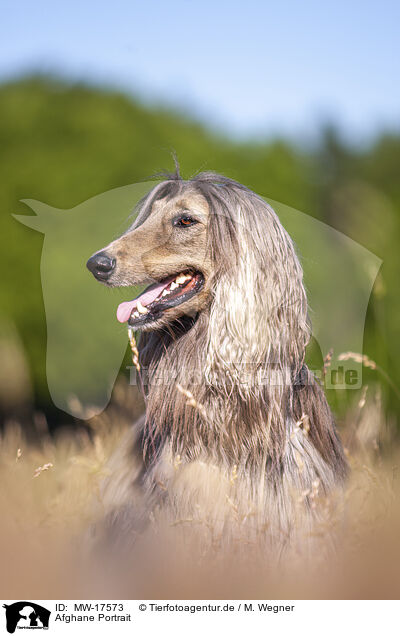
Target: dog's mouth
x=157, y=298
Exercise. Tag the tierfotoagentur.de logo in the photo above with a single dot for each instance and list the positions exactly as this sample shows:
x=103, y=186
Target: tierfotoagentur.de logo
x=26, y=615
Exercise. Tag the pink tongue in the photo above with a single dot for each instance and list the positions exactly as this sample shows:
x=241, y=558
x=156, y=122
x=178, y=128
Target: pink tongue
x=125, y=309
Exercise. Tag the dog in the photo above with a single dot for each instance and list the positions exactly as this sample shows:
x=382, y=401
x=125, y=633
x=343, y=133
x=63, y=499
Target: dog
x=237, y=430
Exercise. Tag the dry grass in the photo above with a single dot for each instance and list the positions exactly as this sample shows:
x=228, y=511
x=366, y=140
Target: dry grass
x=46, y=498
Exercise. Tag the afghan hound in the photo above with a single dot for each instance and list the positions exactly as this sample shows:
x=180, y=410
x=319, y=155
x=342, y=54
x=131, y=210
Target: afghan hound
x=237, y=430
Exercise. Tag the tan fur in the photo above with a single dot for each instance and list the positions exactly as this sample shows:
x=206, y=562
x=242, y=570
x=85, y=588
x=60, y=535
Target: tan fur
x=237, y=433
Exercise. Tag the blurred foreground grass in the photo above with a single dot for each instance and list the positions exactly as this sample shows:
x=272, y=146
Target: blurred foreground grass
x=48, y=488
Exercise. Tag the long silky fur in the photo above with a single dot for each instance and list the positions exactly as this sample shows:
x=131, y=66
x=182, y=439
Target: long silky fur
x=237, y=444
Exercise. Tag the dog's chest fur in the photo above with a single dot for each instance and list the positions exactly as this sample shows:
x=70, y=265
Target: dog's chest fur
x=219, y=502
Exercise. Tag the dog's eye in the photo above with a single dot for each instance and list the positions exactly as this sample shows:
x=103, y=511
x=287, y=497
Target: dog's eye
x=184, y=221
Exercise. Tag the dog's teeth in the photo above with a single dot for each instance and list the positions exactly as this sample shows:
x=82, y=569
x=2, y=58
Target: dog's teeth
x=165, y=293
x=173, y=285
x=182, y=278
x=141, y=309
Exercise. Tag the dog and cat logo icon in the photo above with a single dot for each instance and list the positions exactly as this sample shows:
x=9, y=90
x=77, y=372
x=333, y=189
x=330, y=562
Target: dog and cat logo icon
x=26, y=615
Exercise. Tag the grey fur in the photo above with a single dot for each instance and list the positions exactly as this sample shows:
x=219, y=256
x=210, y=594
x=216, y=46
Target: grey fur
x=239, y=428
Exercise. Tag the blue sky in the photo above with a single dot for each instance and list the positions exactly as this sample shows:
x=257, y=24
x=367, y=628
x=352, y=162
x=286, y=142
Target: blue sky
x=250, y=67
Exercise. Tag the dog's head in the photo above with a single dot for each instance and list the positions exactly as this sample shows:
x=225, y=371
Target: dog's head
x=167, y=248
x=211, y=244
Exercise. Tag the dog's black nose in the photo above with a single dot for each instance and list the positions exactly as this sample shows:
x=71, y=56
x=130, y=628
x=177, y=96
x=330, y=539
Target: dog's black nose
x=101, y=265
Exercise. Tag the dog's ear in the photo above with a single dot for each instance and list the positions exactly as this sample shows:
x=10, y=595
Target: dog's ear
x=258, y=317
